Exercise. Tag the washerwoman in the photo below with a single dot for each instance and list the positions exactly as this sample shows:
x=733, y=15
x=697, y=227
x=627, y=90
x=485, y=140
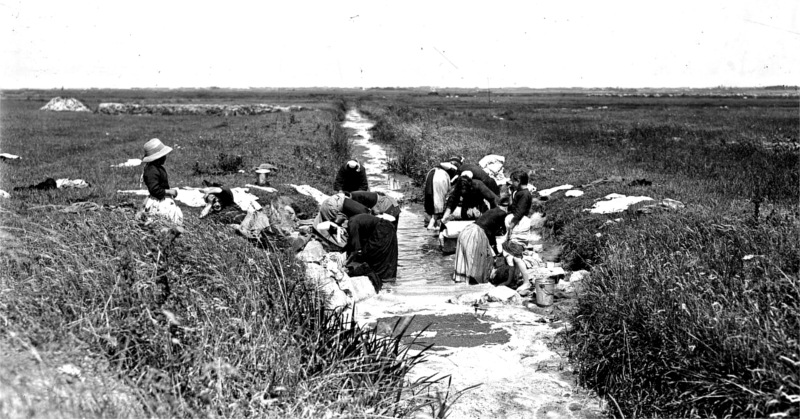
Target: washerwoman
x=476, y=247
x=160, y=202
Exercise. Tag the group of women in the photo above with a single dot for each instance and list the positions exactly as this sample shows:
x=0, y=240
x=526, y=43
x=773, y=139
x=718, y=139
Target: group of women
x=459, y=191
x=365, y=223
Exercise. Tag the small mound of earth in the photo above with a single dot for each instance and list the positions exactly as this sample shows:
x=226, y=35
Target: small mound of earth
x=65, y=104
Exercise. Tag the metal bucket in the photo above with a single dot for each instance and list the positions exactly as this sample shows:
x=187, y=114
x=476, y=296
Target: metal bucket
x=544, y=291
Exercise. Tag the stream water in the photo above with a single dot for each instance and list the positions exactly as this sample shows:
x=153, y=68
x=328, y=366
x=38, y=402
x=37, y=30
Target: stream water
x=505, y=349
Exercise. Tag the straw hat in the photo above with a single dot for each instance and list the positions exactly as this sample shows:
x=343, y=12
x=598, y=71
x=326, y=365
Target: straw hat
x=265, y=168
x=154, y=150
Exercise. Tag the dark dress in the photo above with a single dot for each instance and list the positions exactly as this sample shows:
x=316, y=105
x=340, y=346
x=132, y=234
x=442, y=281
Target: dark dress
x=471, y=198
x=375, y=238
x=349, y=180
x=378, y=203
x=479, y=174
x=520, y=205
x=155, y=177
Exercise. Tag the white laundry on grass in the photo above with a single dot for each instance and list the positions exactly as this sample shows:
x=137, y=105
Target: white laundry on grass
x=71, y=183
x=311, y=191
x=573, y=193
x=7, y=156
x=193, y=197
x=493, y=165
x=615, y=202
x=550, y=191
x=129, y=163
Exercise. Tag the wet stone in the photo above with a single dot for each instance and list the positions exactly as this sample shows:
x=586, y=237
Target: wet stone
x=575, y=407
x=454, y=330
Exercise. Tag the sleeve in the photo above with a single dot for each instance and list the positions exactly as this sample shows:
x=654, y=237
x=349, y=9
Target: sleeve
x=522, y=206
x=487, y=193
x=339, y=182
x=364, y=181
x=492, y=242
x=152, y=178
x=454, y=198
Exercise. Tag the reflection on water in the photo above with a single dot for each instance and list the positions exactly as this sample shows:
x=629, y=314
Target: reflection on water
x=422, y=269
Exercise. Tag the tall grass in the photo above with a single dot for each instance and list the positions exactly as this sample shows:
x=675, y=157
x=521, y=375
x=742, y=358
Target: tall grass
x=686, y=313
x=204, y=323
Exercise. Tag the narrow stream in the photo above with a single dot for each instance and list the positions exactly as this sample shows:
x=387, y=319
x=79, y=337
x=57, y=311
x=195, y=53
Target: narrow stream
x=503, y=348
x=422, y=269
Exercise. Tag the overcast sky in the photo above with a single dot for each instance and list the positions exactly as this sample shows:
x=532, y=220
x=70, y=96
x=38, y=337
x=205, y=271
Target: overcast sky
x=166, y=43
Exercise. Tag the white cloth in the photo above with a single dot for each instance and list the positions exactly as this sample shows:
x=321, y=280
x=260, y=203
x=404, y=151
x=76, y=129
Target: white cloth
x=548, y=192
x=129, y=163
x=71, y=183
x=311, y=191
x=165, y=208
x=441, y=185
x=493, y=164
x=7, y=156
x=194, y=197
x=4, y=194
x=340, y=236
x=453, y=228
x=616, y=203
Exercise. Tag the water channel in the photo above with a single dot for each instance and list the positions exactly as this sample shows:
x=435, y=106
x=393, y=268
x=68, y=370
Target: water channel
x=506, y=349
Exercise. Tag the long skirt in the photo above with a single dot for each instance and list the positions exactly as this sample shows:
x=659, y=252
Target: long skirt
x=380, y=251
x=437, y=185
x=474, y=256
x=165, y=208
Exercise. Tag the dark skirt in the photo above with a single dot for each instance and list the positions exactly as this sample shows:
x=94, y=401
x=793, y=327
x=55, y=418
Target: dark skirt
x=380, y=251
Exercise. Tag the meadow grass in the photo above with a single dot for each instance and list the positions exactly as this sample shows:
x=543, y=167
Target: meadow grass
x=687, y=313
x=205, y=324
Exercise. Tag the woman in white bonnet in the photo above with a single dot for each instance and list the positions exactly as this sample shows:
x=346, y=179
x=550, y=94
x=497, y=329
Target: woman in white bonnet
x=160, y=202
x=351, y=177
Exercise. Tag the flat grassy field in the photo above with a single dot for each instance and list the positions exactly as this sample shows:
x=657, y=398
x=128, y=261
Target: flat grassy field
x=692, y=312
x=207, y=325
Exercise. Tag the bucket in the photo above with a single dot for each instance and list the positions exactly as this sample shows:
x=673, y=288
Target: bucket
x=544, y=291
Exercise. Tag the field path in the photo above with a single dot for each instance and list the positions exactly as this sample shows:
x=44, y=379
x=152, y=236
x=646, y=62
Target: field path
x=506, y=350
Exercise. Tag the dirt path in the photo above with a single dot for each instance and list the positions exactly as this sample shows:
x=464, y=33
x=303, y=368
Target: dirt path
x=505, y=349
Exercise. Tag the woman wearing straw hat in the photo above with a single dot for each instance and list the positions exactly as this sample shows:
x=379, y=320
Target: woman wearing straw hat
x=160, y=202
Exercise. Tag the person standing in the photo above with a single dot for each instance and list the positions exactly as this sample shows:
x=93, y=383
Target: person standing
x=477, y=246
x=160, y=202
x=351, y=177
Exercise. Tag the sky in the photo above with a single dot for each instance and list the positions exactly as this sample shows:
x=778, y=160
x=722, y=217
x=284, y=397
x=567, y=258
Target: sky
x=538, y=44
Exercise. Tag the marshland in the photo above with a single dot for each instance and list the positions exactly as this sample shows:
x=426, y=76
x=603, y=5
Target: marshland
x=691, y=311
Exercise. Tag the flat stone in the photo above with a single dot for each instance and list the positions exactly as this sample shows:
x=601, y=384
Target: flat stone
x=473, y=296
x=502, y=294
x=313, y=252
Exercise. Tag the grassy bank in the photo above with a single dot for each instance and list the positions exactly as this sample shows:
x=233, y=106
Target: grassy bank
x=205, y=324
x=690, y=312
